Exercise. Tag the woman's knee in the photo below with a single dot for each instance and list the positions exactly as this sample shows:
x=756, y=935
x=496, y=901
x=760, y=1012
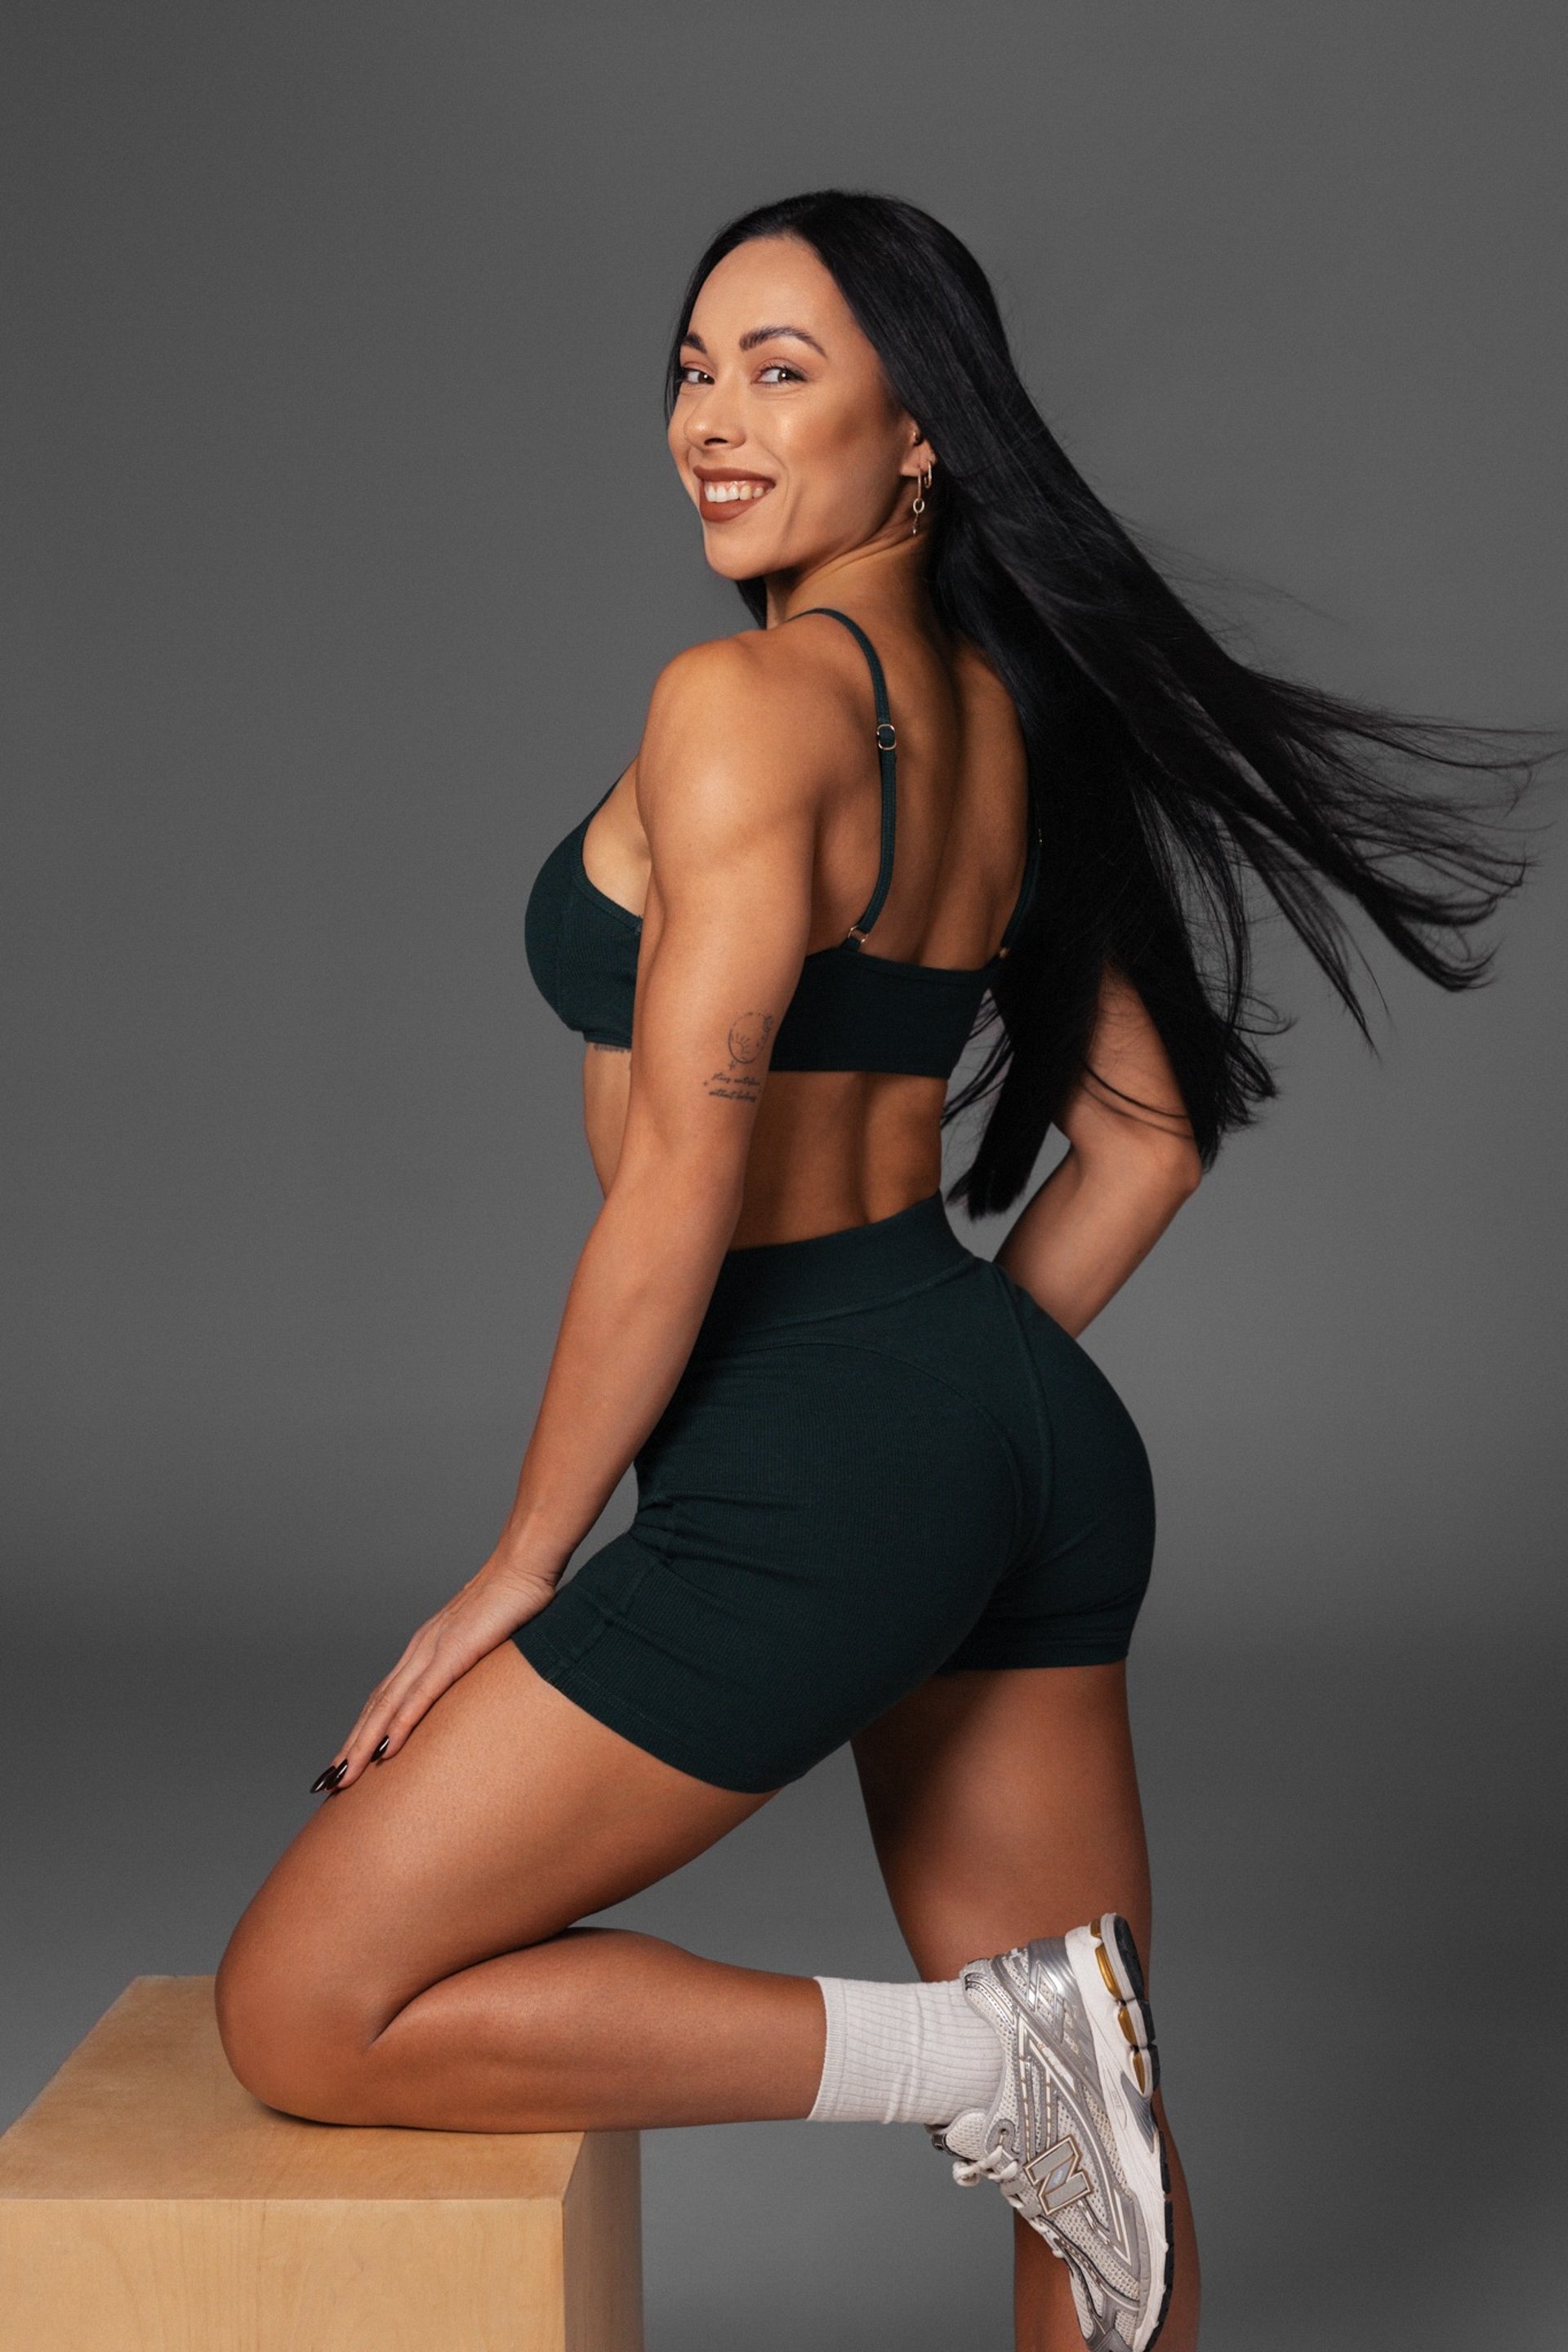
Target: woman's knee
x=291, y=2038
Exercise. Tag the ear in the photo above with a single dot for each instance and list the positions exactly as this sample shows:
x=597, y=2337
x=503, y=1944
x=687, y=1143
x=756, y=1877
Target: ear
x=920, y=456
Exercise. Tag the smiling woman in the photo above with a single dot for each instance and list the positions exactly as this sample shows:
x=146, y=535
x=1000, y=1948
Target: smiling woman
x=800, y=417
x=884, y=1497
x=731, y=485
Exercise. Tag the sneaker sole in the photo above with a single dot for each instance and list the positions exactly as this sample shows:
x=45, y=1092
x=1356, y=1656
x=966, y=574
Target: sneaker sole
x=1109, y=1977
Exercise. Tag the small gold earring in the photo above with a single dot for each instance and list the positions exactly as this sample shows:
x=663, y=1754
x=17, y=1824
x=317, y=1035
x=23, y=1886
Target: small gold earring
x=919, y=506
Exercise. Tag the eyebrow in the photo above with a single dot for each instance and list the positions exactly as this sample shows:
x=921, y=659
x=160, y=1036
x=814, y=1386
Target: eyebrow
x=756, y=335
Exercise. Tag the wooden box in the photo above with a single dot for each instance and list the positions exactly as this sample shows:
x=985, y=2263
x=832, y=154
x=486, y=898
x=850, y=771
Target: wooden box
x=149, y=2204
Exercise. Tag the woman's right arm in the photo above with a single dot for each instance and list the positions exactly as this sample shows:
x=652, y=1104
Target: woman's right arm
x=728, y=791
x=1130, y=1162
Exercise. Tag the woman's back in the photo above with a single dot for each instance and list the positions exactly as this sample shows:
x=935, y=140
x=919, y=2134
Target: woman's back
x=835, y=1146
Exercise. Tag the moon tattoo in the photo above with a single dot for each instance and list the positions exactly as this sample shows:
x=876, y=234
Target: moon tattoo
x=749, y=1035
x=746, y=1041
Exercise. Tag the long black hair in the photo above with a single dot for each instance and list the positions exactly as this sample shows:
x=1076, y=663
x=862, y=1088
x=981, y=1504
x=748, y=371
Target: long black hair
x=1168, y=777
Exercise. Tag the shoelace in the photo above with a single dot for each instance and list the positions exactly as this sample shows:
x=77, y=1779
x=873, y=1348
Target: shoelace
x=997, y=2164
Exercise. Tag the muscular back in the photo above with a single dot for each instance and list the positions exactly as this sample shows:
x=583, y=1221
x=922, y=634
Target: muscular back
x=780, y=720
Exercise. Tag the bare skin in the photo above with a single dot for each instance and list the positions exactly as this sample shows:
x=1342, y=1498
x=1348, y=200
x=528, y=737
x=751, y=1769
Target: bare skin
x=415, y=1958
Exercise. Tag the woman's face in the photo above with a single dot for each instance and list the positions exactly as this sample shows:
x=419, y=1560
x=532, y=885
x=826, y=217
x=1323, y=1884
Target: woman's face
x=790, y=445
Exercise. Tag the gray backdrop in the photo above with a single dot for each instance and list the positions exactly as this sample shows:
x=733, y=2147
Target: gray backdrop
x=342, y=550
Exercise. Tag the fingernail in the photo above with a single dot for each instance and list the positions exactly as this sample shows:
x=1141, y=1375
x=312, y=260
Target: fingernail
x=377, y=1753
x=329, y=1777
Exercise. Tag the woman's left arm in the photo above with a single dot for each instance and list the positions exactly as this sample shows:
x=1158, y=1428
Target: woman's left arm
x=727, y=808
x=1130, y=1162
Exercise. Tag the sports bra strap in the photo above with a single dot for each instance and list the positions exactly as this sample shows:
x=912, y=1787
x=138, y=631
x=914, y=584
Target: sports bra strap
x=887, y=764
x=886, y=758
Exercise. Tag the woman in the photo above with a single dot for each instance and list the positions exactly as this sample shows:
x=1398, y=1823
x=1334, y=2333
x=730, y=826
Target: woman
x=977, y=763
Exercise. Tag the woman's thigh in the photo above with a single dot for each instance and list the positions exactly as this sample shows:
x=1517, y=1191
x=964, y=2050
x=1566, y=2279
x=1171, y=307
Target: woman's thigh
x=510, y=1814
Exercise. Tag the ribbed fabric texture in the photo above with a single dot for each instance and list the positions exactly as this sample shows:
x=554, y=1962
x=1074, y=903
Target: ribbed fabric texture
x=881, y=1458
x=904, y=2053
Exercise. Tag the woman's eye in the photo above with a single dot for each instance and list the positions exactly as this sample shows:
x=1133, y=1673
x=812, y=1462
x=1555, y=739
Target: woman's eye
x=691, y=374
x=777, y=370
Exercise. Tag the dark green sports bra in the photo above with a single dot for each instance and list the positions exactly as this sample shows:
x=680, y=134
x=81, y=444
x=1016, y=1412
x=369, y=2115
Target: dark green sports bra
x=850, y=1011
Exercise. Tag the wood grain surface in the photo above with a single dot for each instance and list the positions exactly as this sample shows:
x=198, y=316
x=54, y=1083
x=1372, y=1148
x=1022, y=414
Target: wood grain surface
x=149, y=2204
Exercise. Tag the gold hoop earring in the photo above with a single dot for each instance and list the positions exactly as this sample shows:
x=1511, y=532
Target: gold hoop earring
x=919, y=506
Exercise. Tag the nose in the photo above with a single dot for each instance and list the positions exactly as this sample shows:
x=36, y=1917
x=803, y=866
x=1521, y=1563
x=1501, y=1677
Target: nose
x=710, y=422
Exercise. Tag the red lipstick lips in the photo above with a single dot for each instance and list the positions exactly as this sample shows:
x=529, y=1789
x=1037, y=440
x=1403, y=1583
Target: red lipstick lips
x=730, y=508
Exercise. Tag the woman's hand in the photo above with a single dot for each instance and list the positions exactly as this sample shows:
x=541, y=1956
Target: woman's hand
x=475, y=1621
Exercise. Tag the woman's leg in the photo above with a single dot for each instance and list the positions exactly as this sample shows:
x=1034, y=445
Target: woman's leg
x=1003, y=1806
x=406, y=1961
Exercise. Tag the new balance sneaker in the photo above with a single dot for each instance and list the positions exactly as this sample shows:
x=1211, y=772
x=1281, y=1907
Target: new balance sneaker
x=1070, y=2138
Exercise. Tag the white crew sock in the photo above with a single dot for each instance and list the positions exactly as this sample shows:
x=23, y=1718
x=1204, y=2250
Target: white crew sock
x=904, y=2053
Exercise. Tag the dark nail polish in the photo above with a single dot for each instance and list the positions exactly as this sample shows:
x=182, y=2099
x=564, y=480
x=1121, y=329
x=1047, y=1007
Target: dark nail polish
x=329, y=1777
x=378, y=1753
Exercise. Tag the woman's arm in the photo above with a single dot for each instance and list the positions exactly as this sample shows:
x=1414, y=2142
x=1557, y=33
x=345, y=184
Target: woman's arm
x=1130, y=1162
x=728, y=800
x=730, y=835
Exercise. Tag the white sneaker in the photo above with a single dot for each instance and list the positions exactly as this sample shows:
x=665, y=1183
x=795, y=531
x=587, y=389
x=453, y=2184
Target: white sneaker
x=1070, y=2138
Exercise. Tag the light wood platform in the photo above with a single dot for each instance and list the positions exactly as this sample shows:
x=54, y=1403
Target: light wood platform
x=148, y=2204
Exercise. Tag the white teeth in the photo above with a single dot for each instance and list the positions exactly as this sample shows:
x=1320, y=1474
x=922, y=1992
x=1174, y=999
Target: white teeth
x=725, y=493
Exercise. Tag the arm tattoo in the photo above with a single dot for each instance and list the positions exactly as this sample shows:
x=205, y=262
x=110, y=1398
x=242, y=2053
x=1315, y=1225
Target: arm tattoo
x=740, y=1082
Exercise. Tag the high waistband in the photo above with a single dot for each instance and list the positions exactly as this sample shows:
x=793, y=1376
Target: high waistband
x=773, y=1283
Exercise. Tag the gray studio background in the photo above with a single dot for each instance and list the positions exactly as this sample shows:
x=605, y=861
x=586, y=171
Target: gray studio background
x=342, y=550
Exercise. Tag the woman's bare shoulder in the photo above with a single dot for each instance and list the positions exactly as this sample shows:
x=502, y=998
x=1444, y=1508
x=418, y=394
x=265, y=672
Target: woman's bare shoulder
x=767, y=711
x=807, y=657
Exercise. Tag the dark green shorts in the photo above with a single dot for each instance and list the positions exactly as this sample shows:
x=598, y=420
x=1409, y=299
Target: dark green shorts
x=883, y=1461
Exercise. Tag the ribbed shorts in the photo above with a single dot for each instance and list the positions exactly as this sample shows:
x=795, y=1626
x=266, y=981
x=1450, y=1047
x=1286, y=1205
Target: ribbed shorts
x=883, y=1461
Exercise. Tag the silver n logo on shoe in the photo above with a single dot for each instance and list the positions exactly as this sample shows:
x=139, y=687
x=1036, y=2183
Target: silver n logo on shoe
x=1057, y=2176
